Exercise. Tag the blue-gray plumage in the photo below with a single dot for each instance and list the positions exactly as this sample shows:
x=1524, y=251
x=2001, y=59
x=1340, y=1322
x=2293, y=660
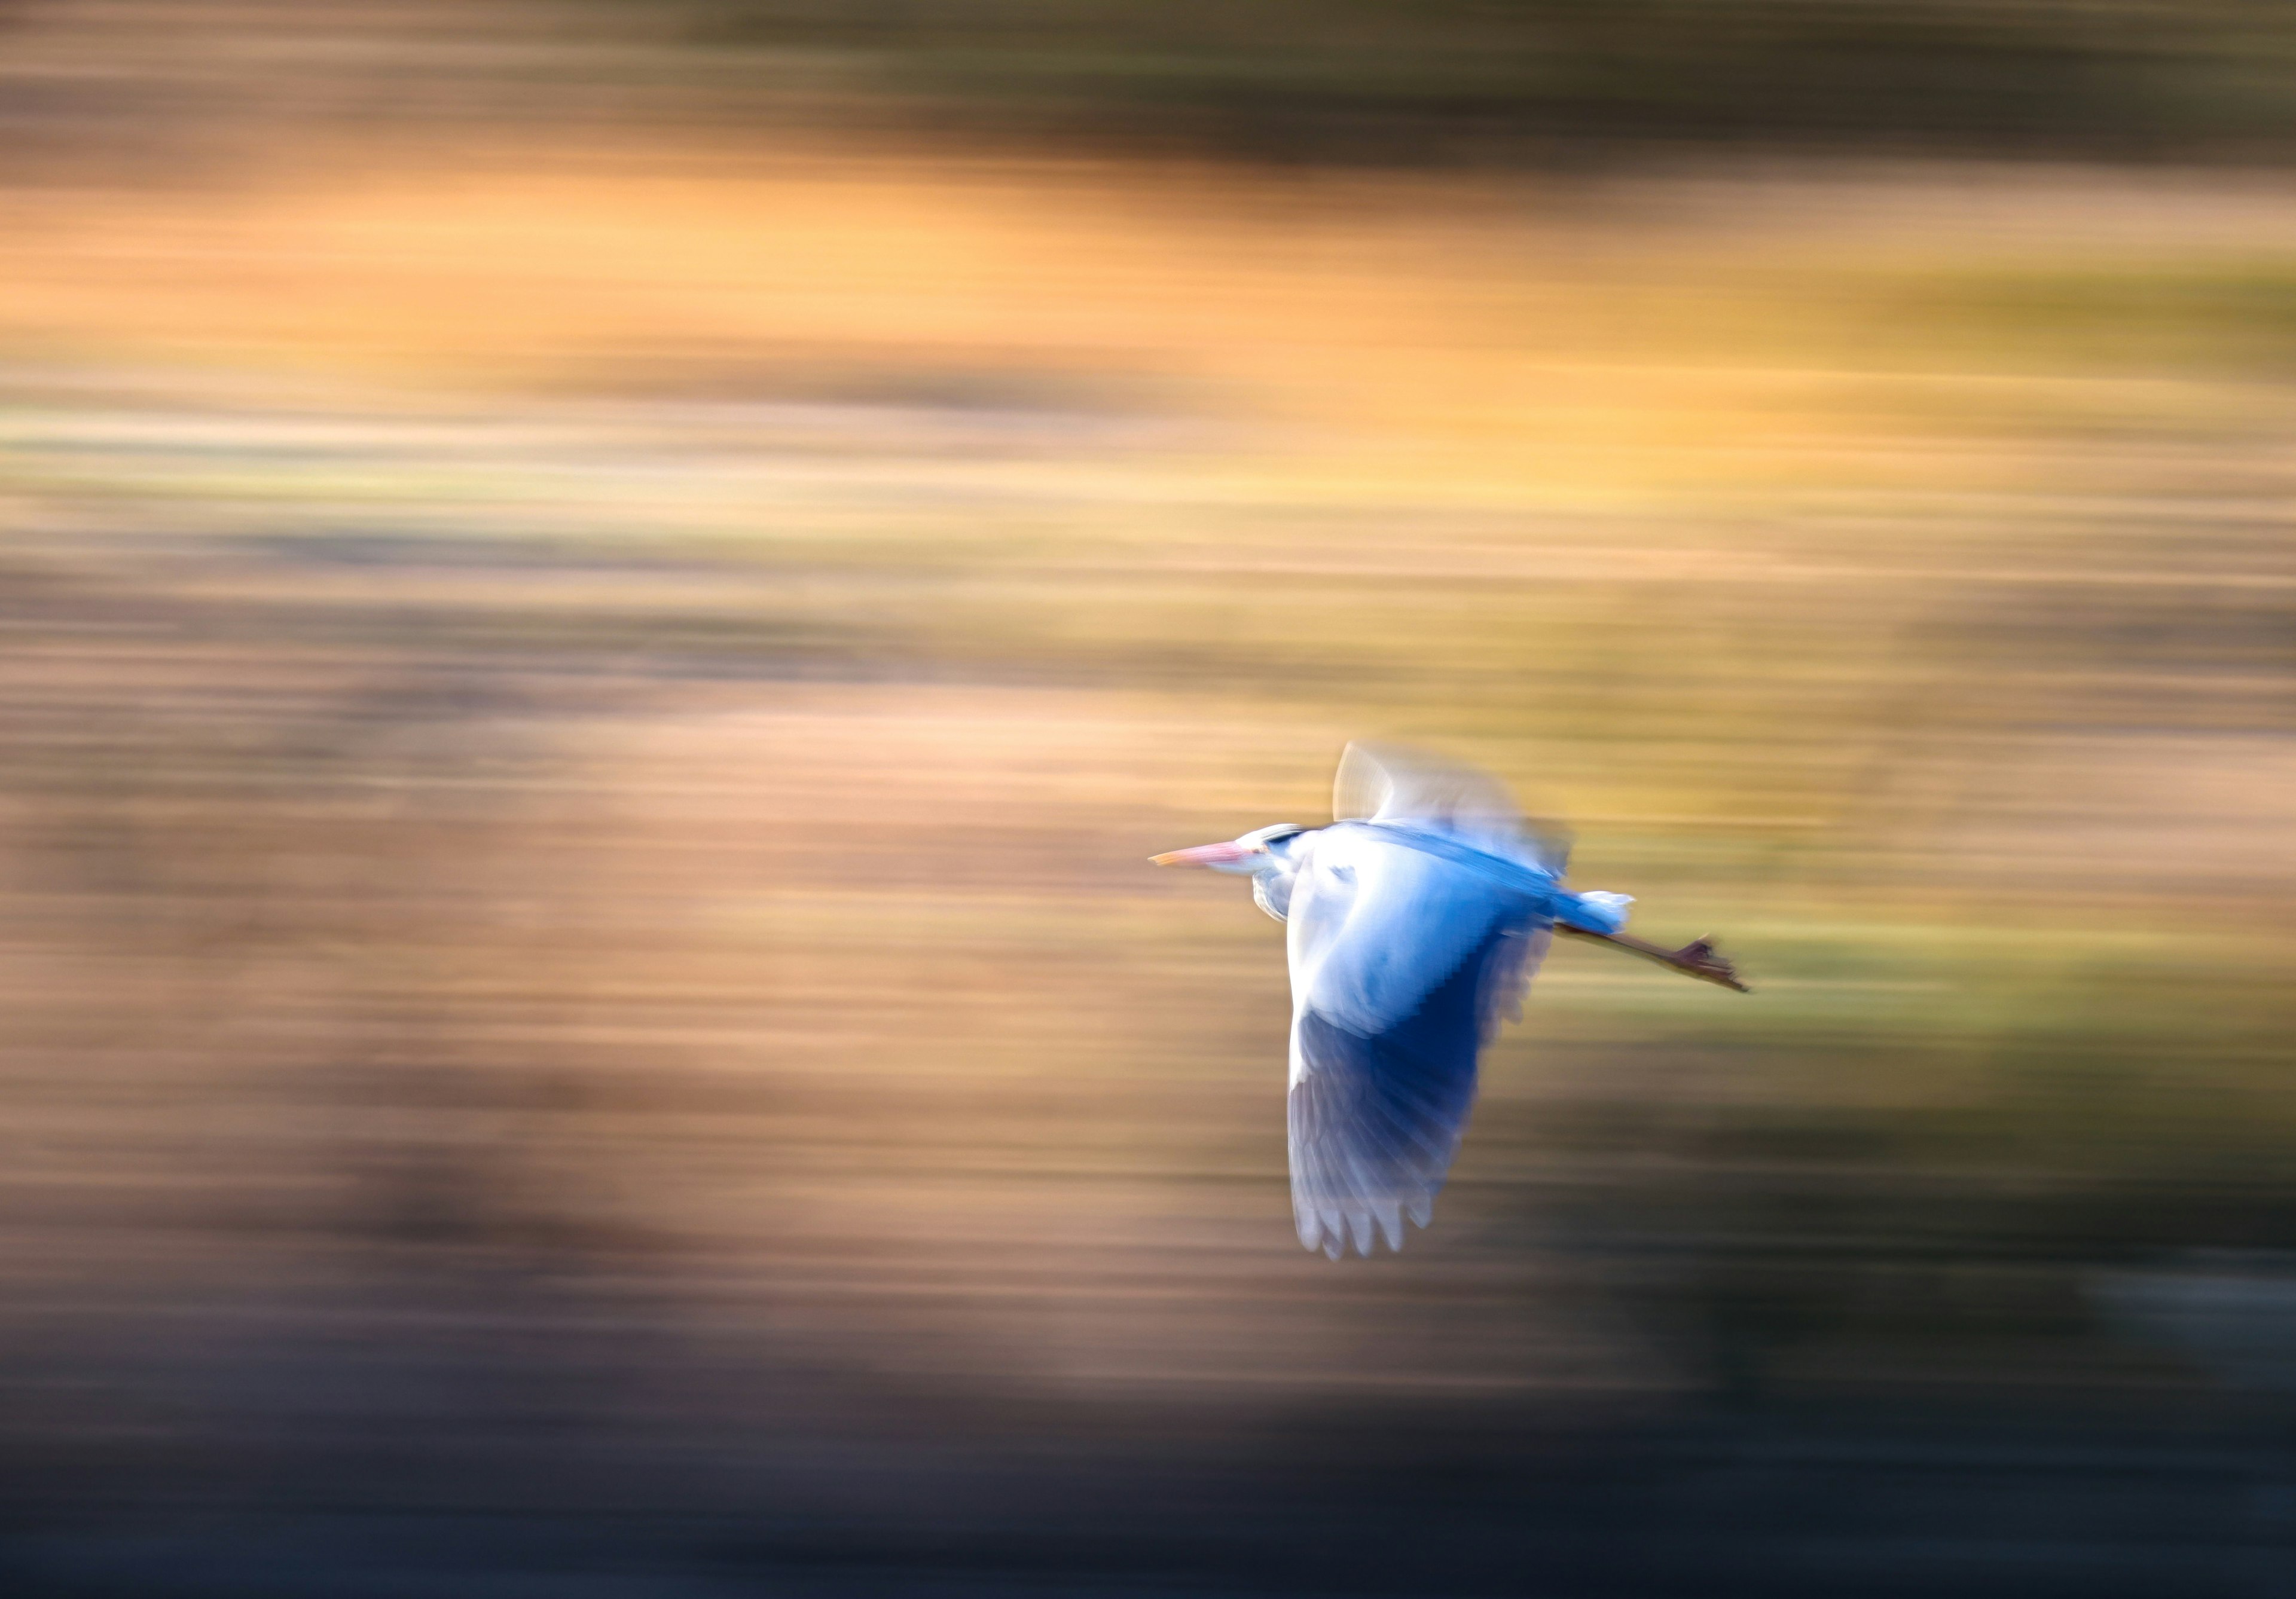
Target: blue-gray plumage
x=1415, y=922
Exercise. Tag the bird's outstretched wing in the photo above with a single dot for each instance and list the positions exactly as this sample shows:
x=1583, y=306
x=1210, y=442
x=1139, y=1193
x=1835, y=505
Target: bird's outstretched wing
x=1402, y=963
x=1394, y=783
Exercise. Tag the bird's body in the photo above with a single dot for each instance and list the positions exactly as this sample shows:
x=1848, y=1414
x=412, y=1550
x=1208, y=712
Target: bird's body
x=1415, y=923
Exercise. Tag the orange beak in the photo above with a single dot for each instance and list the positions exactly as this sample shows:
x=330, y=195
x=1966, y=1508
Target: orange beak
x=1205, y=854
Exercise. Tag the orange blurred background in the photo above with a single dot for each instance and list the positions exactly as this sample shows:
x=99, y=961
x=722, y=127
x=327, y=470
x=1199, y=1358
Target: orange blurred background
x=602, y=605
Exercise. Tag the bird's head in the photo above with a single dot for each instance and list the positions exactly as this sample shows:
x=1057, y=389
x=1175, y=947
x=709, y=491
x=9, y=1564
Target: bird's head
x=1262, y=849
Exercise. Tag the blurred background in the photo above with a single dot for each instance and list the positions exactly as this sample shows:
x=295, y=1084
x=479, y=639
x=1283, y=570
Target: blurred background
x=601, y=603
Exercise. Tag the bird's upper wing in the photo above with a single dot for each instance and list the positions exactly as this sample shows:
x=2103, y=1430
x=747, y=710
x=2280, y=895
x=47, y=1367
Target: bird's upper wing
x=1394, y=783
x=1402, y=963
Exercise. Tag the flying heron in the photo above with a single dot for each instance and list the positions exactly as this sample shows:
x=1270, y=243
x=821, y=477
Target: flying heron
x=1415, y=922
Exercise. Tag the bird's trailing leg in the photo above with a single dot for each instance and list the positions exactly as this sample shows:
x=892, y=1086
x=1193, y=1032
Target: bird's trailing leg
x=1699, y=958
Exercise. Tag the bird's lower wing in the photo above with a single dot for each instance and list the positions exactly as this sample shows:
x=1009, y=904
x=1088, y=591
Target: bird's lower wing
x=1376, y=1121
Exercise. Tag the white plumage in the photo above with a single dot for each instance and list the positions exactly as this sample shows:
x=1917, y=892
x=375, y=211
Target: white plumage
x=1415, y=920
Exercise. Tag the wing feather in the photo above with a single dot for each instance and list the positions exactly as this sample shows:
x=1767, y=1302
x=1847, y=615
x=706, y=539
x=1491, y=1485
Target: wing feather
x=1402, y=963
x=1394, y=783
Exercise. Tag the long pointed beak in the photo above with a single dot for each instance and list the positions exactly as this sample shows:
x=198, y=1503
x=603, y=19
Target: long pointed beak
x=1204, y=855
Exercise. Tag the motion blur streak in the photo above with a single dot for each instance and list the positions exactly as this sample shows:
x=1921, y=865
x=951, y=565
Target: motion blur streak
x=601, y=605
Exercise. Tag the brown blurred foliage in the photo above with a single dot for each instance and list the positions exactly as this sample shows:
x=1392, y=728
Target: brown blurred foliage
x=590, y=656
